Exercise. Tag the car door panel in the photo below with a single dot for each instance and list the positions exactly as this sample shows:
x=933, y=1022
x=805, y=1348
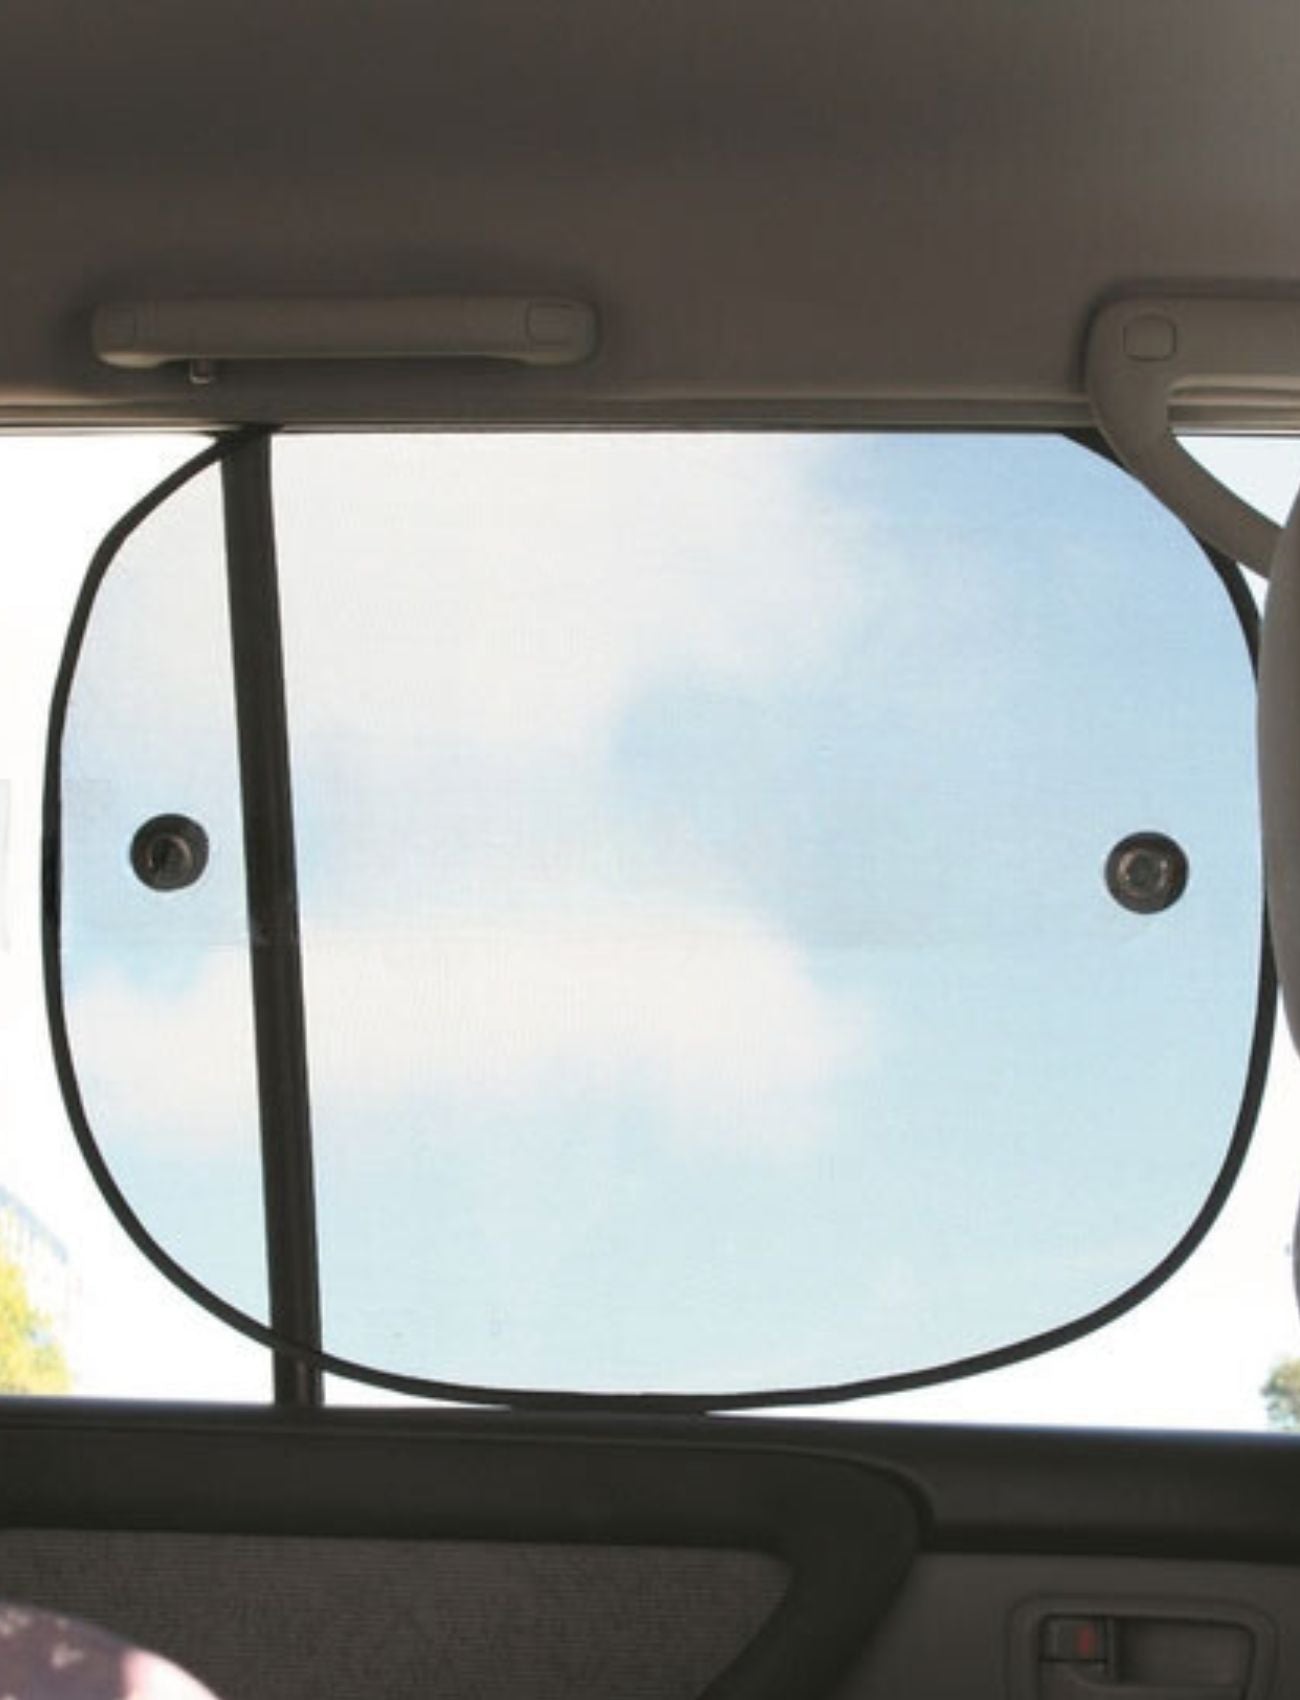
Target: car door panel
x=475, y=1552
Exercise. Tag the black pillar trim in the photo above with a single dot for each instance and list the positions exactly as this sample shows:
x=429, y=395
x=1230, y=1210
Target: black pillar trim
x=275, y=956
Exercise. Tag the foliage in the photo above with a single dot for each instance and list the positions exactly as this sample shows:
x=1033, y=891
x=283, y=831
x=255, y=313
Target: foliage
x=31, y=1360
x=1281, y=1395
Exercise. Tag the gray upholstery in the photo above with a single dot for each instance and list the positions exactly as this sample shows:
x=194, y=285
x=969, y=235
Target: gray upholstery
x=271, y=1618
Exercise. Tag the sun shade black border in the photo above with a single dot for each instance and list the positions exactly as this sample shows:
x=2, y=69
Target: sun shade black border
x=302, y=1386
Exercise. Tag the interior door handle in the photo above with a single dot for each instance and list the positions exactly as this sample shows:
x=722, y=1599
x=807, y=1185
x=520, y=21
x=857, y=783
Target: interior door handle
x=1126, y=1649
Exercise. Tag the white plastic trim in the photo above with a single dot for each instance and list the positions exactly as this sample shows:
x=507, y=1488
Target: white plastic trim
x=1279, y=762
x=1142, y=352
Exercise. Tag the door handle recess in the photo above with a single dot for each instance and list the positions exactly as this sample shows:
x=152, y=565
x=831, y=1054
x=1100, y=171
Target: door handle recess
x=1117, y=1649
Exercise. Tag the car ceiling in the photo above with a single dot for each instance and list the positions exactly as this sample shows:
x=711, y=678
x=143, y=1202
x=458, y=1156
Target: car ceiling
x=859, y=208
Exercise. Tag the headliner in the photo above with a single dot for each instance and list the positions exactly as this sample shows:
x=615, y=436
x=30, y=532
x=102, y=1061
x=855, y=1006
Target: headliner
x=876, y=209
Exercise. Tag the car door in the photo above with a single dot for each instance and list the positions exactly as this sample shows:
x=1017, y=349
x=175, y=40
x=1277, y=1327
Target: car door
x=248, y=222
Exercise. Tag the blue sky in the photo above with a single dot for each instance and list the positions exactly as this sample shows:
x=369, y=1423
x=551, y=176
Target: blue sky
x=701, y=846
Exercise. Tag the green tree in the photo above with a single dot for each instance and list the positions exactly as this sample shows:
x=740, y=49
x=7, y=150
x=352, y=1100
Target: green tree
x=31, y=1359
x=1281, y=1395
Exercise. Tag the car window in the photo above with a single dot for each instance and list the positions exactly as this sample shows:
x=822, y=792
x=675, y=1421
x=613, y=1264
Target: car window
x=1194, y=1354
x=801, y=704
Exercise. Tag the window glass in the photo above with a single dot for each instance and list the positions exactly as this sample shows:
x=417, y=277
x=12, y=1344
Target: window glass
x=650, y=860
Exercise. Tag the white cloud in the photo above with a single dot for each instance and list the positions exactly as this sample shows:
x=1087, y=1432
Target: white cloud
x=714, y=1023
x=524, y=593
x=176, y=1065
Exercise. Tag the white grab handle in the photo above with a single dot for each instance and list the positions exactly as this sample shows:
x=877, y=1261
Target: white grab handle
x=1141, y=353
x=532, y=330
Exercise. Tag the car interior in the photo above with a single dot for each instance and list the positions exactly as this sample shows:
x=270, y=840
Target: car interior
x=663, y=814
